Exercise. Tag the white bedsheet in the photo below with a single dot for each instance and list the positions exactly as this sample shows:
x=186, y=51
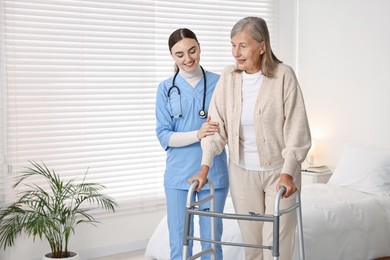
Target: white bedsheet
x=338, y=224
x=343, y=224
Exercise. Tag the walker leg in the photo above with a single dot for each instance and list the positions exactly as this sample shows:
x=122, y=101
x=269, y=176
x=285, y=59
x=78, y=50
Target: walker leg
x=186, y=235
x=213, y=224
x=300, y=228
x=275, y=247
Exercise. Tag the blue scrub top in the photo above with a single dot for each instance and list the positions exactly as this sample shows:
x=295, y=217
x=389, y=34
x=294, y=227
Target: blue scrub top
x=184, y=162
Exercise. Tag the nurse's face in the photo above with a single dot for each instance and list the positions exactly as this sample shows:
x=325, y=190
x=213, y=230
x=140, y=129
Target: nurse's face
x=186, y=54
x=247, y=52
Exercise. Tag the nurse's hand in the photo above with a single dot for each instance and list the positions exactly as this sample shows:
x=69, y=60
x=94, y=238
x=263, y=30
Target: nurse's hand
x=201, y=177
x=208, y=128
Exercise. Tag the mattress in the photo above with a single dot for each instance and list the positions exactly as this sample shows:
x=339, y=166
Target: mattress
x=340, y=223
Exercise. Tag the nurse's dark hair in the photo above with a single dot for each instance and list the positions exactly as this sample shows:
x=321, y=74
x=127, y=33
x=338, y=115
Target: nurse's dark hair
x=179, y=35
x=257, y=28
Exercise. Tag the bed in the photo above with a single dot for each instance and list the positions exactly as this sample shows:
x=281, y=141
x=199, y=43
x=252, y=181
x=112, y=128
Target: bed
x=346, y=219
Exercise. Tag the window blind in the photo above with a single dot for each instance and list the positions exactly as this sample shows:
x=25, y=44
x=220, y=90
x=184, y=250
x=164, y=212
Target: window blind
x=3, y=107
x=80, y=84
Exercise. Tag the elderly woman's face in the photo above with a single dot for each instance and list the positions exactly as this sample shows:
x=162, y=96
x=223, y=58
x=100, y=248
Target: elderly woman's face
x=247, y=52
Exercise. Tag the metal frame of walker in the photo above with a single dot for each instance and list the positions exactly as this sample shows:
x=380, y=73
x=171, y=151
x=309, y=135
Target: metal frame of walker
x=193, y=209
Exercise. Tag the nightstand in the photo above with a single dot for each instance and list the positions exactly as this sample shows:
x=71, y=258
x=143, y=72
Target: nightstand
x=315, y=177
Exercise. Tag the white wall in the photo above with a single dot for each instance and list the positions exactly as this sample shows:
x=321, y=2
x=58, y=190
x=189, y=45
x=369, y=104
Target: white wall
x=116, y=234
x=343, y=68
x=285, y=42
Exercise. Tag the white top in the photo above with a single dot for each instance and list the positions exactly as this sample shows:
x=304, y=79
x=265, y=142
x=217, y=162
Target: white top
x=249, y=156
x=192, y=78
x=180, y=139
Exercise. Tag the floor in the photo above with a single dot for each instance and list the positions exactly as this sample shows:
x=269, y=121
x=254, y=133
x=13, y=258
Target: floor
x=135, y=255
x=139, y=255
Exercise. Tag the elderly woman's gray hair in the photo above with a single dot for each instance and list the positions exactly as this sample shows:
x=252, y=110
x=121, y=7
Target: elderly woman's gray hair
x=258, y=30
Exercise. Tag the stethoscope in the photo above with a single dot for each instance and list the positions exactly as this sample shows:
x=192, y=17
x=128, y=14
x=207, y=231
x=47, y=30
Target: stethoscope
x=202, y=113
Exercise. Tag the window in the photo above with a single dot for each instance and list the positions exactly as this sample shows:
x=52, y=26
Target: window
x=79, y=80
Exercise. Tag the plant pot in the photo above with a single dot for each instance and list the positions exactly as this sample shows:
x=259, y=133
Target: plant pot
x=74, y=256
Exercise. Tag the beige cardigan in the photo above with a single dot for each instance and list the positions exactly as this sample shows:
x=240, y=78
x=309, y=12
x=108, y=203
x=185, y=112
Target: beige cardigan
x=280, y=120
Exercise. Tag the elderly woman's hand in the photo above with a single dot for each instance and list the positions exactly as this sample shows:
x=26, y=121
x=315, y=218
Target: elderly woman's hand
x=287, y=181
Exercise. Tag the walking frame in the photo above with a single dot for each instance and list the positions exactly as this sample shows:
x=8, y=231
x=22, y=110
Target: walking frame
x=193, y=209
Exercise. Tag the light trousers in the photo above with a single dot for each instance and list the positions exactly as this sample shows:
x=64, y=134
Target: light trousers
x=255, y=191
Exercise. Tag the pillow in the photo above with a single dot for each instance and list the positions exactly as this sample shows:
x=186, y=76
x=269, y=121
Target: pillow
x=363, y=169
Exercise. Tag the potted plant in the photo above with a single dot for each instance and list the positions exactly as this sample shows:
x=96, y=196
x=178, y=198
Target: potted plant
x=52, y=213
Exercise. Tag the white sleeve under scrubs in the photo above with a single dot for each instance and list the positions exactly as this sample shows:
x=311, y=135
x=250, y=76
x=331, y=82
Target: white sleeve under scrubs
x=184, y=162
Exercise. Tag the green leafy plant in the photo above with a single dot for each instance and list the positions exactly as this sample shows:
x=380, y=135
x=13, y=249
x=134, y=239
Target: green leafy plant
x=54, y=213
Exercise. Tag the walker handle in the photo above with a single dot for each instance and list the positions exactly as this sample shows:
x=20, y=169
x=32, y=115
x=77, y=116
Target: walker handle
x=192, y=189
x=195, y=184
x=282, y=190
x=279, y=195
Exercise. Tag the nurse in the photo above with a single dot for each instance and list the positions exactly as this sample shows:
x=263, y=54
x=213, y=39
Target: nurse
x=181, y=122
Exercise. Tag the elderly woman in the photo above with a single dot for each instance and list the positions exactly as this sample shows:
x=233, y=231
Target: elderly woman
x=262, y=117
